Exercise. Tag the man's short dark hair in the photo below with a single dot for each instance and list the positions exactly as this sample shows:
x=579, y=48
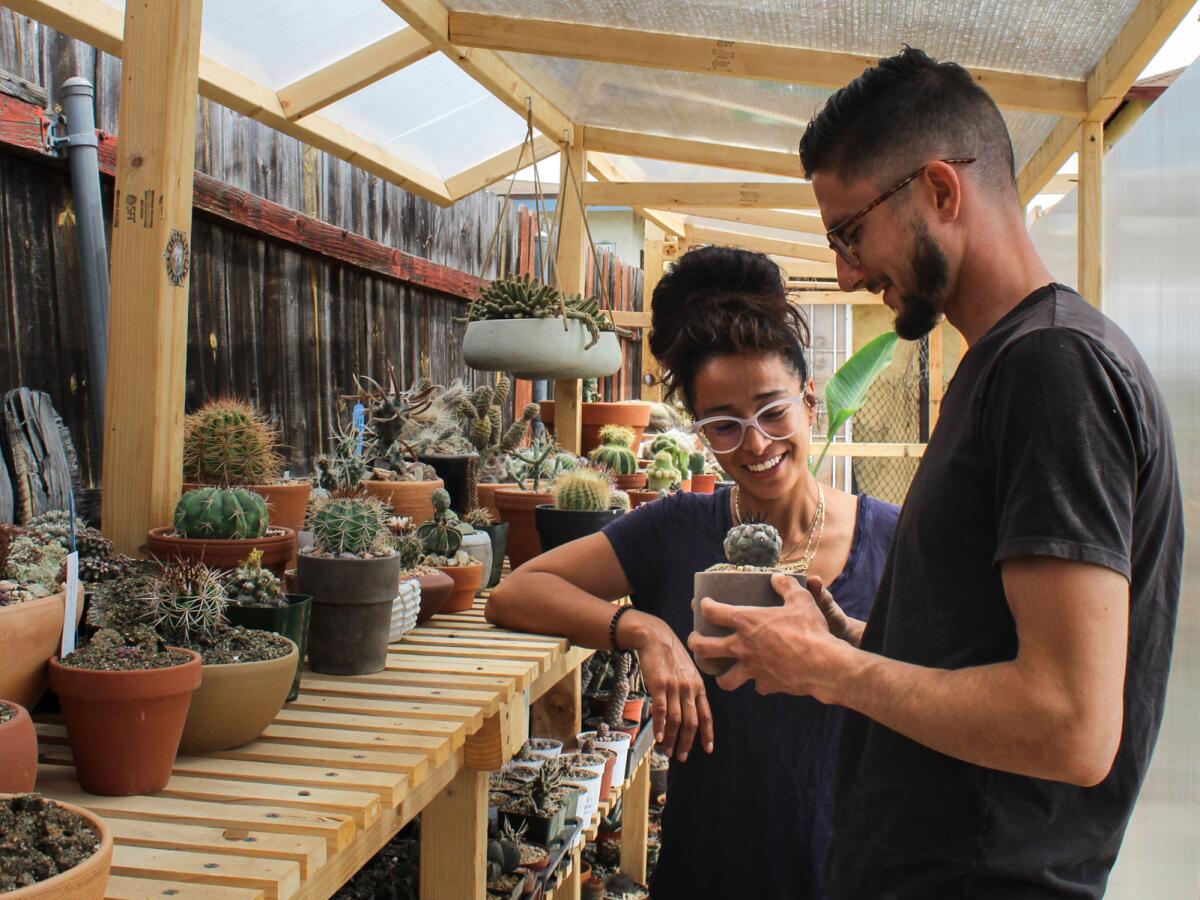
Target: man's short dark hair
x=908, y=110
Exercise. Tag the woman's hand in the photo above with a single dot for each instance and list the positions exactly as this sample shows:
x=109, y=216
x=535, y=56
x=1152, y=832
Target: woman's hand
x=679, y=704
x=840, y=625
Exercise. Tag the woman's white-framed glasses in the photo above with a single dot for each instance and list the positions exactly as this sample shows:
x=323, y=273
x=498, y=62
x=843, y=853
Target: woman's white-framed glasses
x=776, y=421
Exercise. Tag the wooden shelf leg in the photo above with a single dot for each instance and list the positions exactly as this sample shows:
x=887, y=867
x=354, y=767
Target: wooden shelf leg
x=558, y=712
x=572, y=886
x=635, y=825
x=454, y=840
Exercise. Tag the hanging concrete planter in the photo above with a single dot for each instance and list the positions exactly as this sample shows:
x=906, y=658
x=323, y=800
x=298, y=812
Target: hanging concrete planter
x=540, y=348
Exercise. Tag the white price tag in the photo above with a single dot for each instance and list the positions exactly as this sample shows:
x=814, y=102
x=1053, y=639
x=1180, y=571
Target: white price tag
x=68, y=635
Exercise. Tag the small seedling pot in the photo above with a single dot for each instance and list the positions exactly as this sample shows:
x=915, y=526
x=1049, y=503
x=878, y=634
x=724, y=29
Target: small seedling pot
x=735, y=589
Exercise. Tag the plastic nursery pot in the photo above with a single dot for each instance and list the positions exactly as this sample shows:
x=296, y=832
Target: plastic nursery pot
x=499, y=535
x=236, y=702
x=411, y=499
x=548, y=748
x=703, y=484
x=31, y=633
x=556, y=527
x=736, y=589
x=517, y=509
x=287, y=502
x=291, y=621
x=540, y=348
x=637, y=498
x=351, y=612
x=478, y=545
x=632, y=414
x=87, y=880
x=617, y=741
x=278, y=546
x=124, y=727
x=456, y=471
x=18, y=750
x=436, y=587
x=467, y=582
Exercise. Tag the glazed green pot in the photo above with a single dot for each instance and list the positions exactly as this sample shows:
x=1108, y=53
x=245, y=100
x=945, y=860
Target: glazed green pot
x=291, y=621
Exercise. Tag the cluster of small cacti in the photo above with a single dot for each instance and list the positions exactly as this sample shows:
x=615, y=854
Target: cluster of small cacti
x=35, y=565
x=98, y=560
x=344, y=470
x=753, y=544
x=614, y=452
x=186, y=602
x=353, y=525
x=486, y=429
x=218, y=514
x=662, y=474
x=480, y=517
x=252, y=585
x=405, y=470
x=541, y=461
x=441, y=537
x=680, y=447
x=584, y=487
x=228, y=442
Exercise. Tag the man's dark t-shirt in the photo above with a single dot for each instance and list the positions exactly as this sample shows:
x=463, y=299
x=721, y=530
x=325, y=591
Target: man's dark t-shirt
x=1053, y=441
x=752, y=819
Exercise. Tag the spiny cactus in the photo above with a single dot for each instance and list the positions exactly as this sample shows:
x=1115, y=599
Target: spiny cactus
x=228, y=442
x=348, y=525
x=618, y=693
x=344, y=470
x=614, y=452
x=442, y=535
x=662, y=475
x=410, y=549
x=480, y=517
x=35, y=564
x=753, y=544
x=217, y=514
x=545, y=783
x=618, y=500
x=187, y=602
x=696, y=463
x=98, y=561
x=679, y=447
x=541, y=461
x=617, y=436
x=585, y=487
x=252, y=585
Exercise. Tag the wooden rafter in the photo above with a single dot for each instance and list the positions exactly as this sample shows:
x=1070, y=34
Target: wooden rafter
x=768, y=218
x=499, y=167
x=1148, y=27
x=102, y=26
x=702, y=153
x=669, y=195
x=739, y=59
x=353, y=73
x=604, y=169
x=697, y=234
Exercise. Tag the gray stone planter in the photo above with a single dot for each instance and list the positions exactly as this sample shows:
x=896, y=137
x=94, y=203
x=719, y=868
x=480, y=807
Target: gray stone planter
x=540, y=348
x=735, y=589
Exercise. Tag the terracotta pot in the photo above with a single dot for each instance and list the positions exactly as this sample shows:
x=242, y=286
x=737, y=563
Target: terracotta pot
x=633, y=482
x=18, y=749
x=31, y=633
x=436, y=588
x=634, y=708
x=236, y=702
x=556, y=527
x=124, y=727
x=637, y=498
x=352, y=612
x=686, y=485
x=467, y=582
x=278, y=546
x=610, y=763
x=413, y=499
x=291, y=621
x=86, y=881
x=485, y=497
x=736, y=589
x=703, y=484
x=287, y=502
x=634, y=414
x=517, y=509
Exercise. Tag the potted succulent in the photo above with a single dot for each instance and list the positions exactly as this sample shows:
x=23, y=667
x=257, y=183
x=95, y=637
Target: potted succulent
x=228, y=443
x=703, y=481
x=583, y=504
x=18, y=749
x=219, y=527
x=661, y=476
x=752, y=550
x=98, y=560
x=52, y=850
x=616, y=455
x=532, y=468
x=433, y=585
x=617, y=741
x=542, y=804
x=680, y=446
x=257, y=601
x=125, y=697
x=441, y=538
x=533, y=330
x=596, y=415
x=352, y=572
x=530, y=856
x=483, y=521
x=589, y=781
x=599, y=759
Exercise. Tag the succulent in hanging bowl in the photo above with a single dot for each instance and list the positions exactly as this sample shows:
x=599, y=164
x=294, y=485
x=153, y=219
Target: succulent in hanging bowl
x=520, y=325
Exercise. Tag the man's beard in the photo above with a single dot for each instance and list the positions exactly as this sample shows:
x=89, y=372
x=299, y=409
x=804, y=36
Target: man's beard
x=922, y=308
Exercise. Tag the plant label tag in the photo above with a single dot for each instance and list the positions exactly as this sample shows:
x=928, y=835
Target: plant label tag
x=68, y=635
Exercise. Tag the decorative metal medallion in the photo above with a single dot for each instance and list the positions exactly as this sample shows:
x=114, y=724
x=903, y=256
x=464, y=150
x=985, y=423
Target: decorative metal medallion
x=178, y=257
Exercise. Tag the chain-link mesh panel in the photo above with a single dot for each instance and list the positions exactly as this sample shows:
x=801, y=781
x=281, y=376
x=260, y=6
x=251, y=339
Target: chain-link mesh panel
x=894, y=413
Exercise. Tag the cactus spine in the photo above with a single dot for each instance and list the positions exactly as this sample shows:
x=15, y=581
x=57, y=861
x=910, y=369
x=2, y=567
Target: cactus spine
x=187, y=602
x=217, y=514
x=350, y=525
x=753, y=544
x=586, y=487
x=228, y=442
x=614, y=452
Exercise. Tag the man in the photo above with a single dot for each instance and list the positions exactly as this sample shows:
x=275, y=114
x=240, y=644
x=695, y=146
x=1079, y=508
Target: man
x=1008, y=687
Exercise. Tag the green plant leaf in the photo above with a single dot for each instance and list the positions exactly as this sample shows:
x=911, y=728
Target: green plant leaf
x=846, y=391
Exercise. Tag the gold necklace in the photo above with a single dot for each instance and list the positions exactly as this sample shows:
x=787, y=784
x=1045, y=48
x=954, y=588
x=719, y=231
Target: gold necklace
x=815, y=529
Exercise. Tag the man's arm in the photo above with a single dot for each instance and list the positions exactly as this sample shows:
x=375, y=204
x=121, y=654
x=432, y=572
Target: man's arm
x=1054, y=712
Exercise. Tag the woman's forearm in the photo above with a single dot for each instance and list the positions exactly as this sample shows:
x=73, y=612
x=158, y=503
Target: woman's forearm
x=545, y=603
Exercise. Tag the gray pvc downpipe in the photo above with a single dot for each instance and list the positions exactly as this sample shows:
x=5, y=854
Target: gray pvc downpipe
x=78, y=107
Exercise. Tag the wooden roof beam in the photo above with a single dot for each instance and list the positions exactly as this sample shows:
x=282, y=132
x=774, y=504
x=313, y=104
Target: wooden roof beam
x=499, y=168
x=739, y=59
x=1143, y=35
x=701, y=153
x=605, y=169
x=697, y=234
x=353, y=73
x=767, y=218
x=668, y=195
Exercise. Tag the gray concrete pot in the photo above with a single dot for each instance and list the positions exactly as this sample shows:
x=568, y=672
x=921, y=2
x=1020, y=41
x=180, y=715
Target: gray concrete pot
x=479, y=546
x=351, y=612
x=734, y=589
x=540, y=348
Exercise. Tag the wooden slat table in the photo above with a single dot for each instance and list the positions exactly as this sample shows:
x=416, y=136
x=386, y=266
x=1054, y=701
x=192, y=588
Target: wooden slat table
x=341, y=770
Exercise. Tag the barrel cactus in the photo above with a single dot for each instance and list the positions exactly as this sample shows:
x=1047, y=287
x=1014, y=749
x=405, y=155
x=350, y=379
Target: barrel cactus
x=348, y=525
x=228, y=442
x=614, y=453
x=187, y=602
x=696, y=463
x=218, y=514
x=662, y=473
x=442, y=535
x=618, y=500
x=585, y=487
x=753, y=544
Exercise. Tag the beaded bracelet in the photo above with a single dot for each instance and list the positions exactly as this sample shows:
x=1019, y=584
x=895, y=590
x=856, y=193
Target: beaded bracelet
x=612, y=626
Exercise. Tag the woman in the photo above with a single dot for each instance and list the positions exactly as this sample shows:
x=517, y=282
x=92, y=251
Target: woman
x=750, y=815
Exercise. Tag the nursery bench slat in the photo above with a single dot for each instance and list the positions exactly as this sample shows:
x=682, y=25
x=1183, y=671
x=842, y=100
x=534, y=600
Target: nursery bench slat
x=484, y=692
x=433, y=748
x=370, y=704
x=414, y=765
x=521, y=673
x=125, y=887
x=541, y=658
x=439, y=731
x=278, y=879
x=429, y=633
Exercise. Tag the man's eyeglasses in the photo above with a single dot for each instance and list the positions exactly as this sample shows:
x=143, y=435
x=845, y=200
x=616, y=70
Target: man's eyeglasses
x=836, y=236
x=776, y=421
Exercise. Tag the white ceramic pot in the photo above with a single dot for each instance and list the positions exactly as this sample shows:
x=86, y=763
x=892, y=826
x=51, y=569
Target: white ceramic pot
x=405, y=608
x=540, y=348
x=478, y=545
x=617, y=741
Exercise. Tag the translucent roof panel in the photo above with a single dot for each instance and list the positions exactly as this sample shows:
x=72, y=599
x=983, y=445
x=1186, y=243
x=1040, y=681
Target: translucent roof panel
x=432, y=115
x=638, y=169
x=275, y=42
x=1065, y=38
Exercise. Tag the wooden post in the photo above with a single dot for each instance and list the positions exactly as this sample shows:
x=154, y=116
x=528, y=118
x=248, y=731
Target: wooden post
x=1091, y=211
x=936, y=372
x=635, y=811
x=151, y=246
x=570, y=259
x=653, y=258
x=558, y=712
x=572, y=885
x=454, y=840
